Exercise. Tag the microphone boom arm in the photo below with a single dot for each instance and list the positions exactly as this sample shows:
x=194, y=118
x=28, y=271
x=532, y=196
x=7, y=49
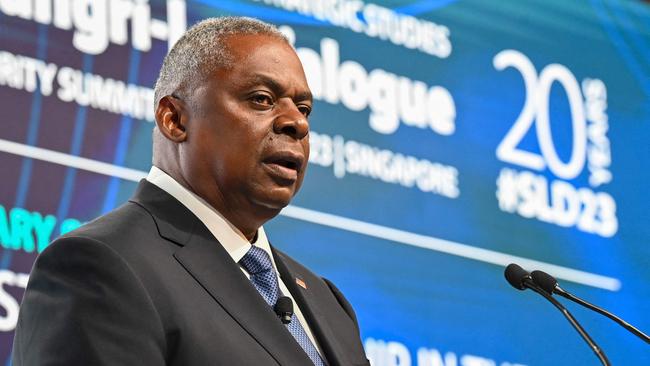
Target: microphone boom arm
x=521, y=280
x=558, y=290
x=550, y=285
x=574, y=322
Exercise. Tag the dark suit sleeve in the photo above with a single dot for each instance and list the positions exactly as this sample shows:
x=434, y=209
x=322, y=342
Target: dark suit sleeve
x=85, y=306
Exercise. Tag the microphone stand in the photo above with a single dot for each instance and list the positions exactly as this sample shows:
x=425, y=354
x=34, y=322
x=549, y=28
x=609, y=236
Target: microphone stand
x=594, y=347
x=548, y=282
x=623, y=323
x=521, y=280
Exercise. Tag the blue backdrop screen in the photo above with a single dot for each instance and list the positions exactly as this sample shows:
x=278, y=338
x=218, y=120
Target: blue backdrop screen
x=449, y=138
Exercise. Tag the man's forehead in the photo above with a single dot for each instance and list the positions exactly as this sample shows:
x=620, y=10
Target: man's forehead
x=264, y=51
x=260, y=59
x=242, y=43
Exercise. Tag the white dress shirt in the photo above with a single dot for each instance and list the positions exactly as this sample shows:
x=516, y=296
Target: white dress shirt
x=231, y=238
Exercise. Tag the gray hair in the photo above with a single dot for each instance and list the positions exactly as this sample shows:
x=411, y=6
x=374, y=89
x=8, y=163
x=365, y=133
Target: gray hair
x=201, y=50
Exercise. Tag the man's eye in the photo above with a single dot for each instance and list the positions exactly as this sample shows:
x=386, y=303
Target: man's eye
x=305, y=110
x=262, y=99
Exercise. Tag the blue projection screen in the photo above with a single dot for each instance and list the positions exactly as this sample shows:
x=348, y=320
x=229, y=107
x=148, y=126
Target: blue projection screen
x=448, y=139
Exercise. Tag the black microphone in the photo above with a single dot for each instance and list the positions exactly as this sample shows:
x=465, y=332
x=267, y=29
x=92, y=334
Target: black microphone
x=284, y=308
x=520, y=279
x=549, y=284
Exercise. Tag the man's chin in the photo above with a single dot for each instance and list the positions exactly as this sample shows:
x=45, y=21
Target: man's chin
x=274, y=203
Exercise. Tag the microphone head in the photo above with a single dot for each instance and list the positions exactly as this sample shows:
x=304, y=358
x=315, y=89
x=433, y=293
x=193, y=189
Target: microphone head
x=284, y=308
x=515, y=275
x=284, y=305
x=544, y=280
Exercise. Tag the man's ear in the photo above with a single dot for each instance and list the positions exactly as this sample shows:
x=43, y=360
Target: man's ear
x=171, y=118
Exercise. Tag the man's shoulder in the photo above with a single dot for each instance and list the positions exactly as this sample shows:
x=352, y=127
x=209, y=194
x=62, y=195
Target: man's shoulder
x=122, y=221
x=120, y=230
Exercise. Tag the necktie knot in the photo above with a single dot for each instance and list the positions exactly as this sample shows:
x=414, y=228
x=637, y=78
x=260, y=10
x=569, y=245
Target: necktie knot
x=258, y=264
x=256, y=261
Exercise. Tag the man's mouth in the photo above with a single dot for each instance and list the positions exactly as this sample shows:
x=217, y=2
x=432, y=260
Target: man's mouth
x=285, y=165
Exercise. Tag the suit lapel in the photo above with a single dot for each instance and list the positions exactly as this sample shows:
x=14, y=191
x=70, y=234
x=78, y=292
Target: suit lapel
x=211, y=266
x=208, y=263
x=312, y=306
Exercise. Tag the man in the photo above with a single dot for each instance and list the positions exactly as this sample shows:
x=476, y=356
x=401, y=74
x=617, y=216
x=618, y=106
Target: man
x=183, y=274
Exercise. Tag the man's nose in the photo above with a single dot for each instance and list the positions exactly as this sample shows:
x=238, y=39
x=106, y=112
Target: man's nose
x=291, y=121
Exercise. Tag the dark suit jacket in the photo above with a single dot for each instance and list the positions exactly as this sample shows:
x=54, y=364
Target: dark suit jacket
x=147, y=284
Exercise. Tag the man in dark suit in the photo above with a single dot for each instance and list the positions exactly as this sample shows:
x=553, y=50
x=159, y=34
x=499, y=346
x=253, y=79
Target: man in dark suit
x=183, y=273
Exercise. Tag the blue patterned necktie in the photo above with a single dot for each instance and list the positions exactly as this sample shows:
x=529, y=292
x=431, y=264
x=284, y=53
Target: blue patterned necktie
x=258, y=264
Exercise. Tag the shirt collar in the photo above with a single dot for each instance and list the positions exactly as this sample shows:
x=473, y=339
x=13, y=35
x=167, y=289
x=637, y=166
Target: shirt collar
x=231, y=238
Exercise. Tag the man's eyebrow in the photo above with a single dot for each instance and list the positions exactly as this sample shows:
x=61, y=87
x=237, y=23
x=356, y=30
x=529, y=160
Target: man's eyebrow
x=276, y=87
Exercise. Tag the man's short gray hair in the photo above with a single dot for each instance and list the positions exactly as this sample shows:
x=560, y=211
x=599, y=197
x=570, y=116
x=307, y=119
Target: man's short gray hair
x=201, y=50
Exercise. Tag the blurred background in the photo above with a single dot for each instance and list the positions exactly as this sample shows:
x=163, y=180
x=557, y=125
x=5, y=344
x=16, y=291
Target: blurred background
x=449, y=138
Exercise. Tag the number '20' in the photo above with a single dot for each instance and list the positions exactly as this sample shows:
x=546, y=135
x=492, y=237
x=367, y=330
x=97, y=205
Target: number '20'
x=536, y=110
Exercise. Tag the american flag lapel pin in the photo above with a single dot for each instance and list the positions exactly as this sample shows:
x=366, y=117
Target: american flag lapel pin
x=301, y=283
